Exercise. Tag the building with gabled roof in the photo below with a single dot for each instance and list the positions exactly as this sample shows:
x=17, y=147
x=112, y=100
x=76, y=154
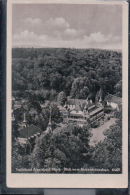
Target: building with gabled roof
x=114, y=101
x=27, y=133
x=81, y=112
x=76, y=103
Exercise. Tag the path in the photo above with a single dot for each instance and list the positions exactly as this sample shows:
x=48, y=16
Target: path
x=97, y=133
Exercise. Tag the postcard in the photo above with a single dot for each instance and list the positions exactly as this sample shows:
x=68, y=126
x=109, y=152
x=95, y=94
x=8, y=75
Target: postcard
x=67, y=94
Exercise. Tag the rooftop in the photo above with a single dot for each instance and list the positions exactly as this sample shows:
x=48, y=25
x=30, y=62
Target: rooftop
x=76, y=101
x=29, y=131
x=76, y=113
x=113, y=98
x=96, y=110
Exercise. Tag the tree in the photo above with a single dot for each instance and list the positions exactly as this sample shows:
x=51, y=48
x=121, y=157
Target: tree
x=118, y=88
x=61, y=98
x=16, y=158
x=19, y=157
x=108, y=153
x=80, y=88
x=55, y=114
x=41, y=151
x=15, y=132
x=65, y=147
x=56, y=81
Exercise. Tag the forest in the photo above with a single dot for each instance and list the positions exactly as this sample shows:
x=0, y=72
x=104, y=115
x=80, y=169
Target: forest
x=52, y=74
x=77, y=72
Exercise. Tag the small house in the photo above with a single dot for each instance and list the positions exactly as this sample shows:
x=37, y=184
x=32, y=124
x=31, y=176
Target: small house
x=28, y=133
x=113, y=101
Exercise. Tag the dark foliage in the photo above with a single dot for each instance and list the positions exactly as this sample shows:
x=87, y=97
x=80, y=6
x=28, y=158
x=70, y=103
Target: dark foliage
x=66, y=147
x=77, y=72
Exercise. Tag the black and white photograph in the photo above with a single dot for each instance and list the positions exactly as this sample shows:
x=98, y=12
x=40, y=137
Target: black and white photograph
x=66, y=93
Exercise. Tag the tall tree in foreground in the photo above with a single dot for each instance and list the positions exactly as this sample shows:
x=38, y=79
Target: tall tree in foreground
x=61, y=98
x=66, y=147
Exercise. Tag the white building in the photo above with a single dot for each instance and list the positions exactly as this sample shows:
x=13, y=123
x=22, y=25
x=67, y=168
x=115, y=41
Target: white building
x=113, y=101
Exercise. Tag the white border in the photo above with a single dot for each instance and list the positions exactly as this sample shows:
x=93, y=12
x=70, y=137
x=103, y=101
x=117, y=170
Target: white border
x=67, y=180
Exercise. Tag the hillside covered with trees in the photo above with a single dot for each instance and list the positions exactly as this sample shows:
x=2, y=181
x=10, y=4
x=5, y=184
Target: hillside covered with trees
x=77, y=72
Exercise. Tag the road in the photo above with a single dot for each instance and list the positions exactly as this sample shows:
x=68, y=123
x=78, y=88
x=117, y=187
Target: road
x=97, y=133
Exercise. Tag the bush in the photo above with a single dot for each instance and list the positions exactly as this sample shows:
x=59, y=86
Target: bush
x=95, y=124
x=108, y=109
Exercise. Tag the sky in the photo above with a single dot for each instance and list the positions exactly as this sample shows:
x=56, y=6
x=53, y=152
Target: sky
x=67, y=26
